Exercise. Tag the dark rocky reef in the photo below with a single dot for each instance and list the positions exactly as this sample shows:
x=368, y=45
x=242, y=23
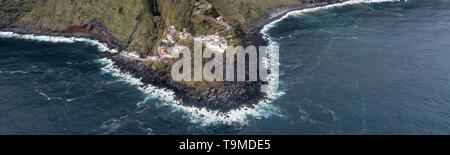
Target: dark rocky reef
x=95, y=30
x=221, y=96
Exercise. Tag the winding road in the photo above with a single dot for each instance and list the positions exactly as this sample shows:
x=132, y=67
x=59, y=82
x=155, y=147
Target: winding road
x=209, y=6
x=197, y=12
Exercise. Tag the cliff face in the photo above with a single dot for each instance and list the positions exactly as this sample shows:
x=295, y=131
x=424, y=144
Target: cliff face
x=137, y=25
x=13, y=10
x=140, y=25
x=241, y=12
x=134, y=23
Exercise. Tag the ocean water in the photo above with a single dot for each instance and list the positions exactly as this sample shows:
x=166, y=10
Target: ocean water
x=359, y=68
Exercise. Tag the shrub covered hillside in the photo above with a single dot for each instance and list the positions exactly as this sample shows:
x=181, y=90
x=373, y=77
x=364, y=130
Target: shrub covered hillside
x=239, y=13
x=132, y=22
x=138, y=25
x=13, y=10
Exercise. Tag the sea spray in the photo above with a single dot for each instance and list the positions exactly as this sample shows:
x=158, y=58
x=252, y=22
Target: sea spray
x=200, y=116
x=197, y=115
x=58, y=39
x=271, y=60
x=267, y=27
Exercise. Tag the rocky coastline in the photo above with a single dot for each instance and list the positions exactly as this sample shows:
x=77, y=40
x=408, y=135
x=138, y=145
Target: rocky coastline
x=219, y=96
x=255, y=37
x=95, y=30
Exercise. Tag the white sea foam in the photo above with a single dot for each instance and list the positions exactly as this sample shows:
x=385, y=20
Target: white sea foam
x=113, y=124
x=302, y=11
x=14, y=72
x=272, y=59
x=46, y=96
x=58, y=39
x=200, y=116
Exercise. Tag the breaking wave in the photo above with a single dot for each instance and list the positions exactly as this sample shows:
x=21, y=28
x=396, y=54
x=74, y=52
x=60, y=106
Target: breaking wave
x=14, y=72
x=267, y=27
x=196, y=115
x=58, y=39
x=202, y=116
x=273, y=56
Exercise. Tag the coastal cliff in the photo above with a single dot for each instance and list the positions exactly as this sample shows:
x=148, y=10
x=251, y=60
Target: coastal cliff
x=141, y=25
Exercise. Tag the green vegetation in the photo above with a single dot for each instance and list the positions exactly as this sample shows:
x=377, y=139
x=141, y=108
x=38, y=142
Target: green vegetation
x=176, y=12
x=211, y=12
x=241, y=12
x=132, y=21
x=135, y=24
x=119, y=15
x=205, y=26
x=13, y=10
x=162, y=67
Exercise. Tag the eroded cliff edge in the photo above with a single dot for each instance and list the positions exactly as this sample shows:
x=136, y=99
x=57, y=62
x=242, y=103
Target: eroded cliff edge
x=140, y=26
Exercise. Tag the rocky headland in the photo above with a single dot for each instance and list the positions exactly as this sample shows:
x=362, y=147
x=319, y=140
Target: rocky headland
x=221, y=96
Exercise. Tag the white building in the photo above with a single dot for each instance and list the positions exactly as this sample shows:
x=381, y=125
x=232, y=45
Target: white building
x=220, y=18
x=170, y=38
x=164, y=54
x=216, y=43
x=172, y=29
x=182, y=35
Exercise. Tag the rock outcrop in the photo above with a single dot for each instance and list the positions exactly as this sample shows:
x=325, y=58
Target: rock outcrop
x=139, y=25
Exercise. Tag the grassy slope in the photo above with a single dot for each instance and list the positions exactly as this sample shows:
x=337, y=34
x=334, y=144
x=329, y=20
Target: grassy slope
x=176, y=12
x=13, y=10
x=241, y=12
x=131, y=21
x=119, y=15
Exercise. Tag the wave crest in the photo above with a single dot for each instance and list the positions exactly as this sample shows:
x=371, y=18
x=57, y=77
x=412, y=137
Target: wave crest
x=196, y=115
x=267, y=27
x=58, y=39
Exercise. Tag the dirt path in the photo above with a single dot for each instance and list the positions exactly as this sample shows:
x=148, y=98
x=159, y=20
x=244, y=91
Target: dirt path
x=197, y=12
x=209, y=6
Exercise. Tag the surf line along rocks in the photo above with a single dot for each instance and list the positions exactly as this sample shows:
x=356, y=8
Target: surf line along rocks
x=223, y=96
x=219, y=96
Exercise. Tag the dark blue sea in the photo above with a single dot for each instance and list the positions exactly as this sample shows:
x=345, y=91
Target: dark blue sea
x=369, y=68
